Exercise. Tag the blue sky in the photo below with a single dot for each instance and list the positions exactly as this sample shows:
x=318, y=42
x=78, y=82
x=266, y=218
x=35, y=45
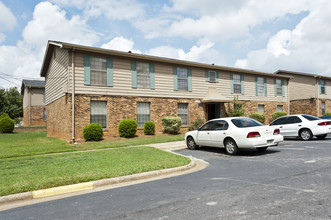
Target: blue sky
x=262, y=35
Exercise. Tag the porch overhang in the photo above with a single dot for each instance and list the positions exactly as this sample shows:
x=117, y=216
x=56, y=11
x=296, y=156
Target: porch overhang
x=213, y=96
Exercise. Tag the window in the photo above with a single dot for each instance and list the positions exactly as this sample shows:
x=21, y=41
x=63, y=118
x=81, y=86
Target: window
x=215, y=126
x=44, y=114
x=310, y=117
x=260, y=86
x=236, y=83
x=279, y=108
x=260, y=108
x=280, y=121
x=143, y=113
x=212, y=76
x=278, y=87
x=245, y=122
x=183, y=112
x=322, y=86
x=143, y=75
x=293, y=120
x=98, y=71
x=182, y=78
x=323, y=108
x=99, y=113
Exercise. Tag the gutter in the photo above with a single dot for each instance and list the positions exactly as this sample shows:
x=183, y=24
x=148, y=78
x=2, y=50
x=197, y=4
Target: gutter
x=73, y=93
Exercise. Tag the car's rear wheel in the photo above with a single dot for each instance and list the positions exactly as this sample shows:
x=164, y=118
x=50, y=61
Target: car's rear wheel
x=231, y=147
x=190, y=143
x=320, y=137
x=306, y=134
x=261, y=148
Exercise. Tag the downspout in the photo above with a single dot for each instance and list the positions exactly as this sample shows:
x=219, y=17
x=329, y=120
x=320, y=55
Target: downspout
x=288, y=96
x=30, y=90
x=317, y=96
x=73, y=93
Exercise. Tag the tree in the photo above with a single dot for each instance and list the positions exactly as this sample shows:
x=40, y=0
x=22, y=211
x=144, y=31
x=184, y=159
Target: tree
x=11, y=102
x=238, y=108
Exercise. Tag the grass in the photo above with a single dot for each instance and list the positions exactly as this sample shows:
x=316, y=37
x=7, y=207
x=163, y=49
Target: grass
x=38, y=172
x=36, y=143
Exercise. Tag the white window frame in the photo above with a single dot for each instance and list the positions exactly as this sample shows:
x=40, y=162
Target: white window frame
x=323, y=86
x=98, y=108
x=279, y=87
x=237, y=83
x=143, y=77
x=323, y=108
x=182, y=112
x=98, y=72
x=212, y=76
x=279, y=108
x=260, y=86
x=143, y=113
x=260, y=108
x=181, y=79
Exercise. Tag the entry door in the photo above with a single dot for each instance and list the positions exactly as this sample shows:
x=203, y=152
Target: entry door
x=214, y=111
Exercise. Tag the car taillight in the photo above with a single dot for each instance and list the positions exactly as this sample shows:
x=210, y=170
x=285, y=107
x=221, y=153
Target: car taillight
x=253, y=134
x=324, y=123
x=276, y=131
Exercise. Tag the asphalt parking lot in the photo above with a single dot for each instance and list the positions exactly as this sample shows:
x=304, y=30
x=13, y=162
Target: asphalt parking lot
x=290, y=181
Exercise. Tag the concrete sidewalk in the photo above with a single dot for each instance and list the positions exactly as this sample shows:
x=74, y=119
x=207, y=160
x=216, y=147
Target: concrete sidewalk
x=21, y=199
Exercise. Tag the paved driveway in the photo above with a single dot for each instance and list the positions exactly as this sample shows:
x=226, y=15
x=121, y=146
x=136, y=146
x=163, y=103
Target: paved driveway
x=291, y=181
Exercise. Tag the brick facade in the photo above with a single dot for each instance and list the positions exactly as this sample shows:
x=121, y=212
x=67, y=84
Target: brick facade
x=33, y=115
x=310, y=106
x=118, y=108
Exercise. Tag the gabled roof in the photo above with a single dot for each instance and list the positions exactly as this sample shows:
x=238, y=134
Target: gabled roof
x=52, y=44
x=302, y=74
x=32, y=84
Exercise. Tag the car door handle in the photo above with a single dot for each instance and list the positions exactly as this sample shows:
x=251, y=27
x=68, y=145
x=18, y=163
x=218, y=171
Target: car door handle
x=299, y=125
x=207, y=132
x=281, y=127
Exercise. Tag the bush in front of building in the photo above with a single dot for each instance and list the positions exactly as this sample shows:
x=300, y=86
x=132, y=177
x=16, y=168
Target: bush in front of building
x=171, y=125
x=196, y=124
x=258, y=116
x=93, y=132
x=6, y=124
x=276, y=115
x=149, y=128
x=328, y=113
x=127, y=128
x=237, y=109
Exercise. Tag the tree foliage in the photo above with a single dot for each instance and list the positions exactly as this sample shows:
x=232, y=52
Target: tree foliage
x=238, y=108
x=11, y=102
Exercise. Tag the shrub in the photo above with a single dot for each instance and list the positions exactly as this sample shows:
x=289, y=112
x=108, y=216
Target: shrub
x=258, y=116
x=149, y=128
x=196, y=124
x=276, y=115
x=6, y=124
x=171, y=125
x=238, y=108
x=327, y=113
x=127, y=128
x=3, y=115
x=93, y=132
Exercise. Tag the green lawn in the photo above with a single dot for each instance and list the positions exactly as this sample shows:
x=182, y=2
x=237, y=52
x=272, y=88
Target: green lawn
x=25, y=167
x=36, y=143
x=38, y=172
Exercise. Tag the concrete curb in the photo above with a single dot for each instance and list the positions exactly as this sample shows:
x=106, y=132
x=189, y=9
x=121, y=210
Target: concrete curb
x=92, y=185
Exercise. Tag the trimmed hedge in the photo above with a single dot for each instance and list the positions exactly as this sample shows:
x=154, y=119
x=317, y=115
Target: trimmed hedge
x=328, y=113
x=196, y=124
x=127, y=128
x=258, y=116
x=276, y=115
x=171, y=125
x=149, y=128
x=6, y=124
x=93, y=132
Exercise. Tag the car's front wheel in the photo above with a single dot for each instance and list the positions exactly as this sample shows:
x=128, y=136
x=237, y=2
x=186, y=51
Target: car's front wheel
x=231, y=147
x=190, y=143
x=320, y=137
x=306, y=134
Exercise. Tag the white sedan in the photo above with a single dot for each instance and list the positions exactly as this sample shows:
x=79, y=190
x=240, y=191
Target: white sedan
x=303, y=126
x=232, y=134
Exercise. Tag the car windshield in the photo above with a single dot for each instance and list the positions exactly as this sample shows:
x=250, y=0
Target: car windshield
x=310, y=117
x=245, y=122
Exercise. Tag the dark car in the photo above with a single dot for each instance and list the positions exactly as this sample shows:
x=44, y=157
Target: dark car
x=326, y=117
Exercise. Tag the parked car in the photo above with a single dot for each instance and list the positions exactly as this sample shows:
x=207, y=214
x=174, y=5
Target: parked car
x=303, y=126
x=233, y=134
x=326, y=117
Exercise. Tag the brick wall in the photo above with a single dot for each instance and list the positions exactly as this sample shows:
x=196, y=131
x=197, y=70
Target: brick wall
x=305, y=106
x=33, y=115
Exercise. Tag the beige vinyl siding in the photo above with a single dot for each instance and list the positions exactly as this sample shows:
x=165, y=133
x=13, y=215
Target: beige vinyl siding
x=303, y=87
x=26, y=98
x=57, y=75
x=164, y=82
x=328, y=90
x=37, y=97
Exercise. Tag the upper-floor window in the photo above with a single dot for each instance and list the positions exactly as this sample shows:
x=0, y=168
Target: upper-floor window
x=279, y=87
x=98, y=71
x=261, y=86
x=212, y=76
x=322, y=86
x=237, y=83
x=182, y=78
x=143, y=75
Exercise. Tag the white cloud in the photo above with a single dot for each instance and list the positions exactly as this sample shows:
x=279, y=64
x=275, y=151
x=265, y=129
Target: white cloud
x=120, y=43
x=2, y=37
x=202, y=52
x=7, y=19
x=305, y=48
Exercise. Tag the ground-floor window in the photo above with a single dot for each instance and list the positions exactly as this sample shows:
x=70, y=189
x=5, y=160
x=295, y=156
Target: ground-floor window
x=183, y=112
x=260, y=108
x=143, y=113
x=99, y=113
x=279, y=108
x=44, y=114
x=323, y=108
